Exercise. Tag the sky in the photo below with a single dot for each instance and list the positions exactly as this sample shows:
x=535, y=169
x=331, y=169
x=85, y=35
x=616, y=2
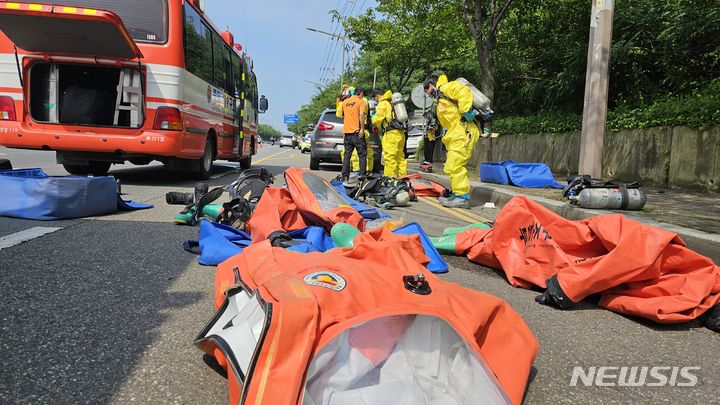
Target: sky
x=286, y=54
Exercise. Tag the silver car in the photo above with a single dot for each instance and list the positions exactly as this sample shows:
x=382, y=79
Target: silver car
x=327, y=140
x=286, y=140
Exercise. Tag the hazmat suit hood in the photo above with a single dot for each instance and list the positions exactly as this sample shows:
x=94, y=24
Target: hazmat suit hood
x=386, y=96
x=442, y=79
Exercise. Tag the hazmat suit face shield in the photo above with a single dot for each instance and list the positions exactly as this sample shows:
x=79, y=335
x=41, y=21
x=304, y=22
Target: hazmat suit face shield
x=405, y=359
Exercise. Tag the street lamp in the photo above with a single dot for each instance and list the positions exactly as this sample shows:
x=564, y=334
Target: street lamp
x=340, y=37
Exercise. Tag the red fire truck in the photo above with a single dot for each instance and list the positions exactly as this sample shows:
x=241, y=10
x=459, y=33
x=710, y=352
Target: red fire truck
x=106, y=81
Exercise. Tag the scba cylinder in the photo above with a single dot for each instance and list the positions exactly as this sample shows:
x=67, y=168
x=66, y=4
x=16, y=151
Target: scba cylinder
x=612, y=198
x=398, y=103
x=480, y=100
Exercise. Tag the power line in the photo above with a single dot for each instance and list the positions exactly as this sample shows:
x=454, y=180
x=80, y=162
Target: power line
x=335, y=27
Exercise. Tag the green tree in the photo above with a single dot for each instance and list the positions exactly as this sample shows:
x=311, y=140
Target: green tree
x=483, y=19
x=267, y=132
x=405, y=39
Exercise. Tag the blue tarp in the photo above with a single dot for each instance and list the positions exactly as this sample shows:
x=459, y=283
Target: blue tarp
x=437, y=264
x=219, y=242
x=364, y=210
x=528, y=175
x=32, y=194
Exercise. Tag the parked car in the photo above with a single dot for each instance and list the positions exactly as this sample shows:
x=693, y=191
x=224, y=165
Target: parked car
x=287, y=140
x=414, y=136
x=327, y=140
x=305, y=145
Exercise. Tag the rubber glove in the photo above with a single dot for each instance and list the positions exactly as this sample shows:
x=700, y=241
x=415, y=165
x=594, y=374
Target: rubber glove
x=469, y=116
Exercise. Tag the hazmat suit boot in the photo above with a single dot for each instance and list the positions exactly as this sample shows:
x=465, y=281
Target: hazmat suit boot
x=456, y=202
x=393, y=143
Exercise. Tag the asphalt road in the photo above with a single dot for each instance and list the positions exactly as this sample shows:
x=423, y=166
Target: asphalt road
x=106, y=309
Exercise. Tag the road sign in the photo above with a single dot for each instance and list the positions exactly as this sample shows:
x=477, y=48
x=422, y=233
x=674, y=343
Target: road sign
x=291, y=119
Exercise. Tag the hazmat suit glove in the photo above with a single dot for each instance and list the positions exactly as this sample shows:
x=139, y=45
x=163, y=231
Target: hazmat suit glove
x=469, y=116
x=554, y=296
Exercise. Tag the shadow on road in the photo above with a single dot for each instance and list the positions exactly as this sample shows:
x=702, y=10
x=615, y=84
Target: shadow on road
x=160, y=176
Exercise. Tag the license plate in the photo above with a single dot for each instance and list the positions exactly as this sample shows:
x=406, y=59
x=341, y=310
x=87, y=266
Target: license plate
x=339, y=147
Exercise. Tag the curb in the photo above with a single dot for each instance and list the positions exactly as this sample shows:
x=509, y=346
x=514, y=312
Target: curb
x=707, y=244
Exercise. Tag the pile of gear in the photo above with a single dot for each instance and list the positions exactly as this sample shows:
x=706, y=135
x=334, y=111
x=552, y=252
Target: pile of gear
x=317, y=291
x=382, y=191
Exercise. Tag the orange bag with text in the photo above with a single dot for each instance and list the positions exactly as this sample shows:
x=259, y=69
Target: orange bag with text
x=638, y=269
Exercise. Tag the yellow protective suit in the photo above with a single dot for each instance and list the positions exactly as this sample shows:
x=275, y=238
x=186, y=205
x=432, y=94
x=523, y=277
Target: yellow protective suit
x=461, y=137
x=393, y=141
x=354, y=159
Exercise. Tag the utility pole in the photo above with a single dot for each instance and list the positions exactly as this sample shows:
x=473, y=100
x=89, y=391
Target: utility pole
x=596, y=88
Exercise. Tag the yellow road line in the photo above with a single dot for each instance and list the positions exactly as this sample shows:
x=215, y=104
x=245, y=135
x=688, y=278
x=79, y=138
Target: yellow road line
x=476, y=216
x=465, y=216
x=268, y=157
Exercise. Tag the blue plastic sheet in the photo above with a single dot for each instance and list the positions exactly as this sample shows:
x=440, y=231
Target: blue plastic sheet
x=437, y=264
x=528, y=175
x=32, y=194
x=494, y=172
x=366, y=211
x=219, y=242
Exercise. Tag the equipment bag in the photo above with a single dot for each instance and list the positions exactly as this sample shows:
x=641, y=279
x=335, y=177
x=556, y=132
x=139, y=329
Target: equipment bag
x=32, y=194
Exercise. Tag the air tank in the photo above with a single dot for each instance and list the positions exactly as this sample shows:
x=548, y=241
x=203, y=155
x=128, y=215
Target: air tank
x=398, y=103
x=480, y=100
x=612, y=198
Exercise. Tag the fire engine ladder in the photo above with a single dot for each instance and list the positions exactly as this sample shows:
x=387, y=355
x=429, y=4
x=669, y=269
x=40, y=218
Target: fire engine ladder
x=129, y=96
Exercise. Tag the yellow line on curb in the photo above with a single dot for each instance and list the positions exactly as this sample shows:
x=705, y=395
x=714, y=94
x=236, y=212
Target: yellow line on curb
x=455, y=213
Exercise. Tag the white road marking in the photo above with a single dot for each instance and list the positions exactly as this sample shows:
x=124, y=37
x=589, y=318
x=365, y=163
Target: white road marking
x=26, y=235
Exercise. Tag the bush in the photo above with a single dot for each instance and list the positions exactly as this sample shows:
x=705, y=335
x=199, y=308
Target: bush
x=700, y=109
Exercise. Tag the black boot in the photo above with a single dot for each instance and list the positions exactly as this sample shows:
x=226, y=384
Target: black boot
x=554, y=296
x=712, y=321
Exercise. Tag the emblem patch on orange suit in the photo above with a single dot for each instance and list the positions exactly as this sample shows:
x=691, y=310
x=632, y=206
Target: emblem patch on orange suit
x=326, y=279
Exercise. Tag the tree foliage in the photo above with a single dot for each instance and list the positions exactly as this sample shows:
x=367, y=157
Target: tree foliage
x=310, y=112
x=665, y=57
x=405, y=39
x=267, y=132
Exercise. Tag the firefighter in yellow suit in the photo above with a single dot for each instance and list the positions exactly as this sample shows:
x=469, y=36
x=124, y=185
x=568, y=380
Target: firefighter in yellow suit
x=393, y=141
x=354, y=159
x=455, y=113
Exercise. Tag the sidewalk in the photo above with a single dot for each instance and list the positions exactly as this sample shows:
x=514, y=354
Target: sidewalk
x=693, y=216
